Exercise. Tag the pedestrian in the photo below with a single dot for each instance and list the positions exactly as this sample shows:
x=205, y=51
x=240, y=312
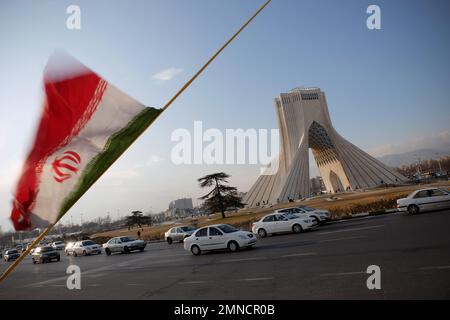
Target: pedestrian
x=139, y=234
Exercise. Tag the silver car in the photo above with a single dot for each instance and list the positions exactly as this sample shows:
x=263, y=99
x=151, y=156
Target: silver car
x=123, y=245
x=178, y=233
x=11, y=254
x=86, y=248
x=58, y=245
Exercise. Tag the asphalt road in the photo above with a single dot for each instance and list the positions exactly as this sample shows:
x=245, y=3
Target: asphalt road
x=330, y=262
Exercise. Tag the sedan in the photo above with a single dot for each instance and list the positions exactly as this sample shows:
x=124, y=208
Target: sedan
x=280, y=223
x=69, y=248
x=86, y=248
x=218, y=237
x=10, y=255
x=58, y=245
x=123, y=245
x=45, y=254
x=423, y=200
x=320, y=216
x=178, y=233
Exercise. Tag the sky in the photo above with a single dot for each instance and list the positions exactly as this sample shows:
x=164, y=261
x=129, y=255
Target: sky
x=387, y=90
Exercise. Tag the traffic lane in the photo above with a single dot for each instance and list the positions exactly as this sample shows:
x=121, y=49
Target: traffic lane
x=98, y=266
x=149, y=281
x=54, y=272
x=160, y=250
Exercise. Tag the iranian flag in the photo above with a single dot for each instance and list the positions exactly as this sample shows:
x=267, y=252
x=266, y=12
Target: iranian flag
x=86, y=124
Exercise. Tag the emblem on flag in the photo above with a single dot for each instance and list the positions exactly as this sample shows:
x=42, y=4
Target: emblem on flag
x=65, y=165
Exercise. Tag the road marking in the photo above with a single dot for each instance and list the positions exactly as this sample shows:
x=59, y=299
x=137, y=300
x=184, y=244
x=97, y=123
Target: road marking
x=435, y=268
x=299, y=254
x=256, y=279
x=135, y=284
x=247, y=259
x=340, y=239
x=194, y=282
x=352, y=229
x=342, y=273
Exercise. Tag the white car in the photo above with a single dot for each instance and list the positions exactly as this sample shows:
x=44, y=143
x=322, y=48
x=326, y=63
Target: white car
x=85, y=248
x=123, y=245
x=58, y=245
x=69, y=248
x=217, y=237
x=280, y=223
x=320, y=216
x=424, y=199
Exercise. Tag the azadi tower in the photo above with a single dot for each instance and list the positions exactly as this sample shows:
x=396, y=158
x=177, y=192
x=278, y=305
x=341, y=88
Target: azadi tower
x=305, y=123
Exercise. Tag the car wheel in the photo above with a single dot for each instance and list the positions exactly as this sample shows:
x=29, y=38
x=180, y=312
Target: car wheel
x=34, y=261
x=108, y=252
x=84, y=253
x=196, y=250
x=169, y=240
x=75, y=254
x=233, y=246
x=413, y=209
x=141, y=249
x=296, y=228
x=126, y=250
x=67, y=253
x=316, y=220
x=58, y=259
x=42, y=260
x=262, y=233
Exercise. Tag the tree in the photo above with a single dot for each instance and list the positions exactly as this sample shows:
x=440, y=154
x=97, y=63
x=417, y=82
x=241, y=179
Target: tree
x=222, y=196
x=136, y=218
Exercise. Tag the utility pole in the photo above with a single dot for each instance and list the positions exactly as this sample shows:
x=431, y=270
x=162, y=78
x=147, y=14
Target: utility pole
x=439, y=162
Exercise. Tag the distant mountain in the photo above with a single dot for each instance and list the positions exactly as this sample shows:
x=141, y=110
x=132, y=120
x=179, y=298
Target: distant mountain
x=407, y=158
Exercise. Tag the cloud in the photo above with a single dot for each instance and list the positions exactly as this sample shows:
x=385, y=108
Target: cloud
x=167, y=74
x=435, y=141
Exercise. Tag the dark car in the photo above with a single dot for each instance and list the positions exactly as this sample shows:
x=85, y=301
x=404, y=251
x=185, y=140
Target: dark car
x=11, y=254
x=45, y=254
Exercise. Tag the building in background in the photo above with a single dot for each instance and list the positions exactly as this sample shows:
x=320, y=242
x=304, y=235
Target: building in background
x=180, y=208
x=317, y=186
x=305, y=123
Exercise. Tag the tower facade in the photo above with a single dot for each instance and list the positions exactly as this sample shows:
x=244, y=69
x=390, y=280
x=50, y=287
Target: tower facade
x=304, y=122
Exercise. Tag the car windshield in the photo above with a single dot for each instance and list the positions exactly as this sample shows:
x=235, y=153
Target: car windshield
x=46, y=249
x=126, y=239
x=307, y=208
x=186, y=229
x=227, y=228
x=88, y=243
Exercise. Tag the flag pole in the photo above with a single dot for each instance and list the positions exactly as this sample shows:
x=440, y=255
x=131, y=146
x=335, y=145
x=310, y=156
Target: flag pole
x=186, y=85
x=25, y=253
